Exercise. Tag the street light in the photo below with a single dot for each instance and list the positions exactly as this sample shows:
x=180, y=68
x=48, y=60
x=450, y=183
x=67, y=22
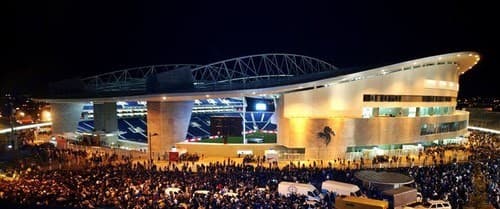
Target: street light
x=149, y=148
x=13, y=140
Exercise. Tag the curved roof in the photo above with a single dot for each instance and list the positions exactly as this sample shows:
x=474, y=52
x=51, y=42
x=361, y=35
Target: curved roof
x=260, y=70
x=250, y=75
x=260, y=67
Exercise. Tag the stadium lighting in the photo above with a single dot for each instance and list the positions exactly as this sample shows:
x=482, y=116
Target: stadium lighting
x=46, y=116
x=260, y=106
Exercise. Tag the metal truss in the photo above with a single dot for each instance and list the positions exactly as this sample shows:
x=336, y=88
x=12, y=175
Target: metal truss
x=131, y=79
x=226, y=73
x=258, y=67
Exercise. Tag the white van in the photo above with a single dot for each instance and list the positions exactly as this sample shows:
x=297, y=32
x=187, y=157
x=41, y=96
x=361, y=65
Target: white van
x=201, y=193
x=287, y=188
x=341, y=188
x=173, y=190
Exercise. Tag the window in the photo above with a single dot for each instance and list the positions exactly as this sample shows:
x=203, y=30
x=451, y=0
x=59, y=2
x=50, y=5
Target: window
x=405, y=98
x=428, y=129
x=412, y=112
x=367, y=112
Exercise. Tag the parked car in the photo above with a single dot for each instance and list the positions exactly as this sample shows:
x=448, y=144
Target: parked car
x=434, y=204
x=201, y=193
x=172, y=190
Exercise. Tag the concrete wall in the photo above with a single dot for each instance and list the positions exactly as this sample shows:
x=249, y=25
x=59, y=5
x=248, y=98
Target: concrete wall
x=303, y=132
x=223, y=150
x=65, y=116
x=105, y=117
x=346, y=99
x=170, y=120
x=305, y=113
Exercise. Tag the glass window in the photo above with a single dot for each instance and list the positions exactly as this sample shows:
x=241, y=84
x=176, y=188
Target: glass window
x=412, y=112
x=406, y=98
x=427, y=129
x=367, y=112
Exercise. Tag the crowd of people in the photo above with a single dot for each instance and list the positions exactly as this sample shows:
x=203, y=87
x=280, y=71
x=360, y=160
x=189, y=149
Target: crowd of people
x=192, y=157
x=103, y=180
x=486, y=152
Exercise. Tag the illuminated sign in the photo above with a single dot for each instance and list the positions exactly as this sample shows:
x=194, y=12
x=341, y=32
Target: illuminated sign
x=260, y=106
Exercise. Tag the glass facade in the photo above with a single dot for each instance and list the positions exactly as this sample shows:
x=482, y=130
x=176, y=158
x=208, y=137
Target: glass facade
x=369, y=112
x=430, y=128
x=406, y=98
x=430, y=111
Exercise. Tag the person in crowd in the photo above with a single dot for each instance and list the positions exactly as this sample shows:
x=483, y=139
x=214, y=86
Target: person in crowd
x=87, y=179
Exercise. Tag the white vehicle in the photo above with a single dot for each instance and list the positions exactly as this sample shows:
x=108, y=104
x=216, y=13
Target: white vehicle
x=200, y=193
x=173, y=190
x=287, y=188
x=231, y=194
x=341, y=188
x=261, y=189
x=434, y=204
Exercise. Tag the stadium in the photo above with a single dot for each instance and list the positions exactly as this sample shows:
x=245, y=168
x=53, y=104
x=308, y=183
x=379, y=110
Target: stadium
x=295, y=104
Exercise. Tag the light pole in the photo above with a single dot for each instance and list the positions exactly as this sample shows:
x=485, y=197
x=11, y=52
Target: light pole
x=13, y=140
x=149, y=146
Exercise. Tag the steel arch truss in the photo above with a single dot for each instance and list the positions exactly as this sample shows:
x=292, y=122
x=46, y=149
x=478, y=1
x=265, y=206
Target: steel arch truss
x=131, y=79
x=257, y=68
x=230, y=73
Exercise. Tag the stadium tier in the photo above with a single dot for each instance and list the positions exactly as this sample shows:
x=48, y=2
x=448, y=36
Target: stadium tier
x=135, y=128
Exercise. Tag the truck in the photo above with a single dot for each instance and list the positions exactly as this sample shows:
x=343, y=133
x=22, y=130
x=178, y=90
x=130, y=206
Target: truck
x=341, y=188
x=350, y=202
x=401, y=196
x=287, y=188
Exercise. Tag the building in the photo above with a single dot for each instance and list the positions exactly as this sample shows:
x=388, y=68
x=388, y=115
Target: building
x=408, y=103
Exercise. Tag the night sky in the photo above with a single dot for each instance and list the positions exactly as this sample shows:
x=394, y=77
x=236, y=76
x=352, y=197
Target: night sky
x=51, y=41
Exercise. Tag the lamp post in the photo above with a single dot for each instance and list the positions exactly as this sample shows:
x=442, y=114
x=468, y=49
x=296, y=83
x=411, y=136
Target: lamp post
x=12, y=119
x=149, y=146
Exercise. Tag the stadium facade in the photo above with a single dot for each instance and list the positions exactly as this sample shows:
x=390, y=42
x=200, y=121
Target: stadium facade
x=407, y=103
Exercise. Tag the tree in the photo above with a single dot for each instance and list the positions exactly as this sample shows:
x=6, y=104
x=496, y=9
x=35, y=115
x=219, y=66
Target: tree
x=326, y=135
x=479, y=197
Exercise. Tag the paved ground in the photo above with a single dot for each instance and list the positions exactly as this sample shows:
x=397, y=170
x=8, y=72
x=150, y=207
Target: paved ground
x=143, y=157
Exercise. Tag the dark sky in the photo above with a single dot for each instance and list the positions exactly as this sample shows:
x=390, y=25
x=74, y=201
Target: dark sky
x=50, y=41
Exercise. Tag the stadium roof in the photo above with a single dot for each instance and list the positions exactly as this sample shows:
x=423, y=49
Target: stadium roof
x=242, y=76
